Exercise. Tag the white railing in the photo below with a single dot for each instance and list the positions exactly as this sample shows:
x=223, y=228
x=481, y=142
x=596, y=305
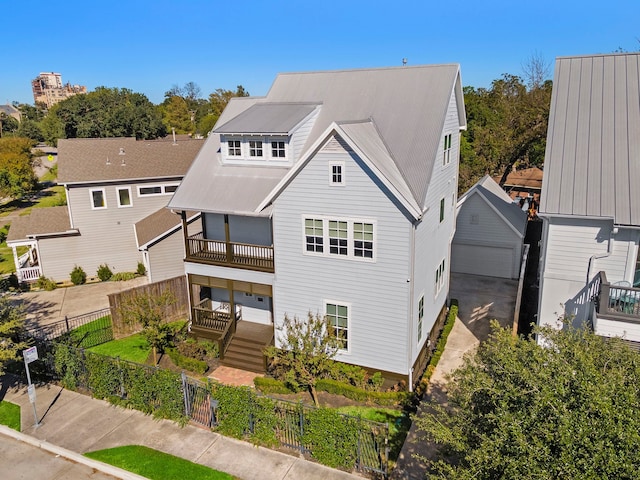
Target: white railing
x=30, y=274
x=23, y=259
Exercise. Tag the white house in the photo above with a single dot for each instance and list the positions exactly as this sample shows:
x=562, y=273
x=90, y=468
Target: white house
x=490, y=230
x=334, y=194
x=112, y=185
x=590, y=202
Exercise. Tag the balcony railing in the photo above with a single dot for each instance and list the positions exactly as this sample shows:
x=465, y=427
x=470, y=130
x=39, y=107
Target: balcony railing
x=617, y=301
x=233, y=254
x=29, y=274
x=216, y=320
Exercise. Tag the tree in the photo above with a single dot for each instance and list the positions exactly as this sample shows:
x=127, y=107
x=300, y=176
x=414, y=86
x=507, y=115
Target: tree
x=306, y=353
x=11, y=322
x=16, y=167
x=218, y=100
x=8, y=124
x=30, y=129
x=520, y=410
x=148, y=311
x=105, y=112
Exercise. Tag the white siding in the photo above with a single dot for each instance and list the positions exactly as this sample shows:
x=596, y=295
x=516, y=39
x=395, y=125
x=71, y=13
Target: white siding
x=299, y=137
x=617, y=328
x=433, y=238
x=568, y=246
x=166, y=258
x=106, y=235
x=377, y=292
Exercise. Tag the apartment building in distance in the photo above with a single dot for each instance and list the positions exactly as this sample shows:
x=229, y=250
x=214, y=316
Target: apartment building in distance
x=48, y=89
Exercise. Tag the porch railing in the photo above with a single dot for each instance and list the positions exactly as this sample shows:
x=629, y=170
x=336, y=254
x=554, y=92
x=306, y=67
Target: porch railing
x=235, y=254
x=217, y=320
x=29, y=274
x=617, y=301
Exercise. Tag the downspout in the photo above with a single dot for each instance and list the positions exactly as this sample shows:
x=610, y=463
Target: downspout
x=614, y=230
x=410, y=281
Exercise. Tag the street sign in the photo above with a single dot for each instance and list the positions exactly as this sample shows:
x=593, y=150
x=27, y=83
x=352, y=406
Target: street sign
x=31, y=390
x=30, y=355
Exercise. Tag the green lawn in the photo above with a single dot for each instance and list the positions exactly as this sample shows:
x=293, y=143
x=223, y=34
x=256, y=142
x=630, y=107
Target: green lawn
x=399, y=424
x=134, y=348
x=155, y=465
x=10, y=415
x=53, y=197
x=92, y=333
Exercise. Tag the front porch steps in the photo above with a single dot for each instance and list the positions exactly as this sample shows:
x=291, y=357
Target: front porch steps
x=245, y=350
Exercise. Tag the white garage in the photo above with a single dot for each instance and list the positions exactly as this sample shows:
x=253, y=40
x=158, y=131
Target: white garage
x=490, y=231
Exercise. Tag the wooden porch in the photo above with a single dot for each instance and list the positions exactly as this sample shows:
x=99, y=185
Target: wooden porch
x=230, y=254
x=240, y=342
x=619, y=300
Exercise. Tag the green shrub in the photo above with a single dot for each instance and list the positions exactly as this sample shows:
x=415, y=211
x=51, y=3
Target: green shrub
x=332, y=438
x=198, y=350
x=104, y=272
x=9, y=282
x=141, y=270
x=360, y=394
x=78, y=276
x=269, y=385
x=45, y=283
x=192, y=364
x=123, y=276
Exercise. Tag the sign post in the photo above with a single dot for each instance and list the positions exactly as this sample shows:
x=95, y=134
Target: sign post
x=31, y=355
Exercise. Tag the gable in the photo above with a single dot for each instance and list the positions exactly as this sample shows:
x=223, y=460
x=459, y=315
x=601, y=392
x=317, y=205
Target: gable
x=478, y=220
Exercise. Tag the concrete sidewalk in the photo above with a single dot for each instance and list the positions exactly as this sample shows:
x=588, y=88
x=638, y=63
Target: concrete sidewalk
x=79, y=424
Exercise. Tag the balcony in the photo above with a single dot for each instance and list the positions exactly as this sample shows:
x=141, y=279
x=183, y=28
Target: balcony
x=229, y=254
x=617, y=308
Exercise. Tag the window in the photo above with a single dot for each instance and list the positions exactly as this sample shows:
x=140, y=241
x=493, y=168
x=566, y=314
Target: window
x=338, y=237
x=313, y=232
x=441, y=210
x=338, y=318
x=447, y=150
x=170, y=188
x=440, y=277
x=420, y=316
x=278, y=150
x=124, y=197
x=234, y=149
x=255, y=148
x=98, y=200
x=336, y=174
x=157, y=189
x=475, y=219
x=363, y=240
x=353, y=239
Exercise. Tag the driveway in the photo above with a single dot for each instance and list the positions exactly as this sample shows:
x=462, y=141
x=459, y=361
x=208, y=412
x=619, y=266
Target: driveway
x=480, y=300
x=44, y=307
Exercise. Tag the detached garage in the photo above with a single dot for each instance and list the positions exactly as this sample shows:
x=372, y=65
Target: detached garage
x=490, y=231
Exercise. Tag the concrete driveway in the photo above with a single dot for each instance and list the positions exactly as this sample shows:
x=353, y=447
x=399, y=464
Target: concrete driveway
x=480, y=300
x=42, y=307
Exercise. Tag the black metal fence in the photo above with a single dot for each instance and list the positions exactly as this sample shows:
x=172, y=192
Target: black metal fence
x=84, y=331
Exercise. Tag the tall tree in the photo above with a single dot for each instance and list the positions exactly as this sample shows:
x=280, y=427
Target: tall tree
x=218, y=100
x=16, y=167
x=11, y=322
x=519, y=410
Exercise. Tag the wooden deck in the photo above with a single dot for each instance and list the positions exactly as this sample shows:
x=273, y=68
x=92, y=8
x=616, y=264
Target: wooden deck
x=231, y=254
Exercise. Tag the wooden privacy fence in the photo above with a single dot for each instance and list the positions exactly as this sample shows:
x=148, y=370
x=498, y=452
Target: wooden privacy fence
x=177, y=310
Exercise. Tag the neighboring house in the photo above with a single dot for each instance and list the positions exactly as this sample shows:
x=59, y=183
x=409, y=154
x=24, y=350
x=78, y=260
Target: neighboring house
x=524, y=186
x=11, y=111
x=116, y=191
x=590, y=200
x=490, y=231
x=334, y=194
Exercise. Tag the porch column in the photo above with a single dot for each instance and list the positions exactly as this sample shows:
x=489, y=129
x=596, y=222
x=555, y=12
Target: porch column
x=16, y=262
x=185, y=233
x=227, y=239
x=232, y=305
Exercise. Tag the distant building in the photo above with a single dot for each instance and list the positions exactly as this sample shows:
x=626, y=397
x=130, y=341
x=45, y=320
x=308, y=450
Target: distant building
x=11, y=111
x=48, y=89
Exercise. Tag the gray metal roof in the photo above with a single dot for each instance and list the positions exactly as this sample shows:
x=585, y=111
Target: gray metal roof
x=501, y=202
x=407, y=105
x=264, y=118
x=91, y=160
x=592, y=159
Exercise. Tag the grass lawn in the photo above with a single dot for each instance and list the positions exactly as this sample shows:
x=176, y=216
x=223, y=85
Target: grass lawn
x=155, y=465
x=134, y=348
x=92, y=333
x=53, y=197
x=10, y=415
x=398, y=424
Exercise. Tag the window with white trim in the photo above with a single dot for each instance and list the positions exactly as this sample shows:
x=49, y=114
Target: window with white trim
x=338, y=237
x=98, y=199
x=278, y=149
x=149, y=190
x=446, y=158
x=420, y=316
x=337, y=316
x=440, y=276
x=349, y=238
x=124, y=197
x=314, y=236
x=441, y=210
x=233, y=148
x=255, y=149
x=336, y=173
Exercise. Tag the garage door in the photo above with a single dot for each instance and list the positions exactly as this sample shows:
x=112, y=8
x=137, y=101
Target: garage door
x=482, y=260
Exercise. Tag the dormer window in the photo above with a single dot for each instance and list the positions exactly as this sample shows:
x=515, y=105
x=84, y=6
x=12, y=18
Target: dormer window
x=278, y=150
x=234, y=148
x=255, y=150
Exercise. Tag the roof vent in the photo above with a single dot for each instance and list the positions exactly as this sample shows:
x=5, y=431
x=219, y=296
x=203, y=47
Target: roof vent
x=108, y=161
x=121, y=151
x=123, y=163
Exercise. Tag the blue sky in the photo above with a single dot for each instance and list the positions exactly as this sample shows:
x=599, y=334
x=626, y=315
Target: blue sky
x=148, y=46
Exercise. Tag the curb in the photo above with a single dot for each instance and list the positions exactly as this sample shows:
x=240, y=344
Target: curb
x=69, y=455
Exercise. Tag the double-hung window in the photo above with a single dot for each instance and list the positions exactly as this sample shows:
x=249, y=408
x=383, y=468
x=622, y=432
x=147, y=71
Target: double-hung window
x=314, y=236
x=440, y=277
x=363, y=239
x=420, y=316
x=447, y=150
x=347, y=238
x=337, y=316
x=336, y=173
x=338, y=237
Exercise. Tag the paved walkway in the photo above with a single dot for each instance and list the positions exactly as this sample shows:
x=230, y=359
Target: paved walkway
x=72, y=423
x=481, y=299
